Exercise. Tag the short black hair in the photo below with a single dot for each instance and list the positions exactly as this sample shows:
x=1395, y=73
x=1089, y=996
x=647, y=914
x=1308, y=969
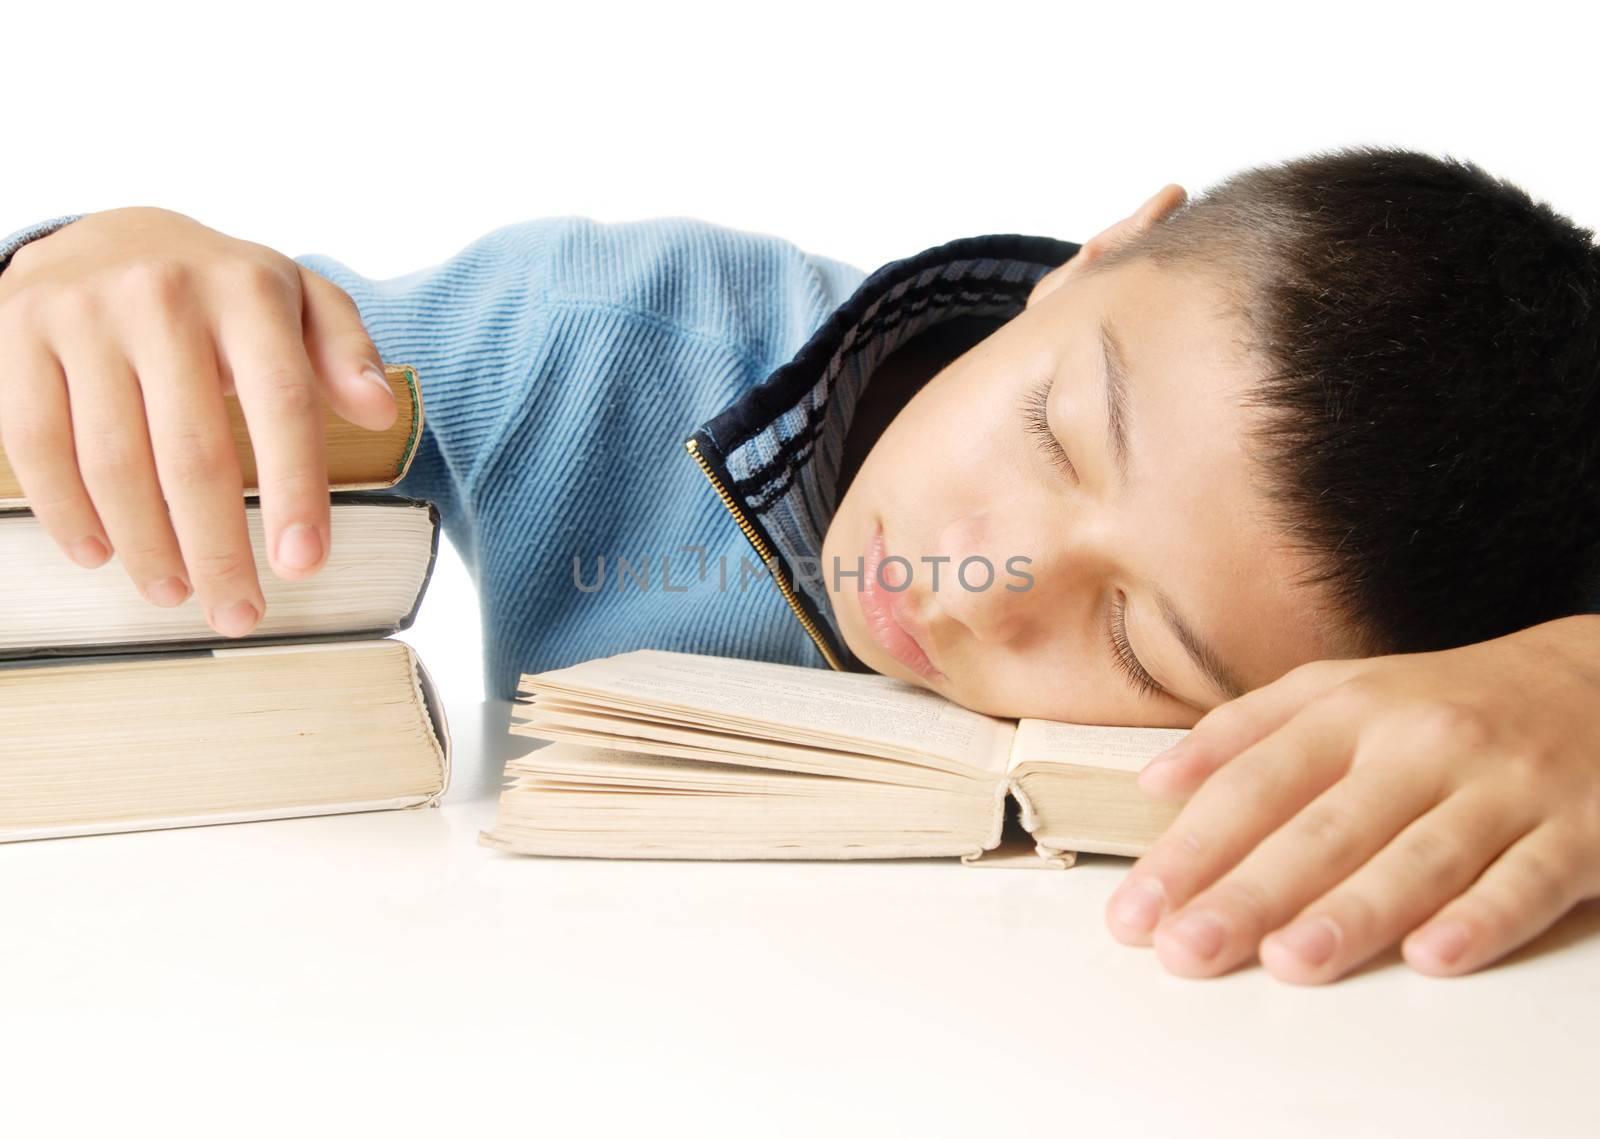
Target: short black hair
x=1430, y=337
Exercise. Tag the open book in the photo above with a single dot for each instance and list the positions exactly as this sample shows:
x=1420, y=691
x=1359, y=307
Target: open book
x=676, y=755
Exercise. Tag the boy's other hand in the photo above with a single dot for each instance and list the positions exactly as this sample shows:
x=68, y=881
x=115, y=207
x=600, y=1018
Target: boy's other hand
x=1450, y=799
x=120, y=335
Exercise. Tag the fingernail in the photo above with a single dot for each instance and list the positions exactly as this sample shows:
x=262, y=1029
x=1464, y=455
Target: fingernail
x=1201, y=932
x=1313, y=939
x=299, y=546
x=168, y=591
x=1445, y=942
x=235, y=620
x=1138, y=904
x=89, y=552
x=373, y=374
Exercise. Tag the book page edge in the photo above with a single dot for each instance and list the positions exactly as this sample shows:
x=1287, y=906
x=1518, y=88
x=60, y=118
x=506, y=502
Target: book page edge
x=173, y=822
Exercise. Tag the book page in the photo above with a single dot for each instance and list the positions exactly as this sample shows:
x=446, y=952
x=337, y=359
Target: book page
x=632, y=734
x=1090, y=745
x=791, y=703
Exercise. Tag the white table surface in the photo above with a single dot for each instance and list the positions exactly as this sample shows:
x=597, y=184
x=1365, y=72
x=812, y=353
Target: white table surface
x=385, y=970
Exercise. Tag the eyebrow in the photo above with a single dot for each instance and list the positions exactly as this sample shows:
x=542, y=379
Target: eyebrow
x=1223, y=678
x=1114, y=369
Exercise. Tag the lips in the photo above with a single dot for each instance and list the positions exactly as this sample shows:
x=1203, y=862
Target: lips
x=888, y=621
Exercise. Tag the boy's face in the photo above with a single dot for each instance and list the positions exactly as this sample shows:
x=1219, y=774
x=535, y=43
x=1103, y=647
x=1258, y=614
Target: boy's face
x=959, y=474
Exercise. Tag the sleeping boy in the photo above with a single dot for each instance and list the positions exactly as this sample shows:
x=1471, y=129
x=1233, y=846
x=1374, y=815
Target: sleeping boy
x=1308, y=463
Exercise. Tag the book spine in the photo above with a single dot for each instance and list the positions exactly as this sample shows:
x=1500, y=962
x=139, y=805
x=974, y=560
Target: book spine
x=408, y=375
x=406, y=621
x=1047, y=857
x=432, y=706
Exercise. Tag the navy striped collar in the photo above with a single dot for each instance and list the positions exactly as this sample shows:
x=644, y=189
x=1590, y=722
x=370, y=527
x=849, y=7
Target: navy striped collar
x=776, y=450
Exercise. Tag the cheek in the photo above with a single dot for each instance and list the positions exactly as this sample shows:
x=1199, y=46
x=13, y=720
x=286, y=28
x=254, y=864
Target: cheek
x=1066, y=681
x=951, y=442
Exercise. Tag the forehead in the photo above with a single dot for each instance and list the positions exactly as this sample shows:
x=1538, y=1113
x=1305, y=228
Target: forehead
x=1180, y=309
x=1196, y=518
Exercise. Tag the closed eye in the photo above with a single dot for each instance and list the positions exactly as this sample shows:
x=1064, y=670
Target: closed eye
x=1127, y=661
x=1036, y=418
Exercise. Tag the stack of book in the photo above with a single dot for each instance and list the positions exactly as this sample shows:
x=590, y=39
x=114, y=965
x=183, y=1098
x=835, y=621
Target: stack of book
x=117, y=715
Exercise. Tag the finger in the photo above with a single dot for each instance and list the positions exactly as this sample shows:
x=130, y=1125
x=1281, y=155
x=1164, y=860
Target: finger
x=1520, y=895
x=112, y=442
x=262, y=346
x=1228, y=729
x=346, y=361
x=1233, y=811
x=1429, y=862
x=198, y=466
x=36, y=432
x=1293, y=866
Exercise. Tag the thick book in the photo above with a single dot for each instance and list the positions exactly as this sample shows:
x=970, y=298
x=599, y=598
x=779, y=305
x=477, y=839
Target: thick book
x=382, y=554
x=173, y=739
x=675, y=755
x=358, y=458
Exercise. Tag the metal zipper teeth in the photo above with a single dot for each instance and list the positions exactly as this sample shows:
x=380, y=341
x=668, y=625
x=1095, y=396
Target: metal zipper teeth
x=692, y=445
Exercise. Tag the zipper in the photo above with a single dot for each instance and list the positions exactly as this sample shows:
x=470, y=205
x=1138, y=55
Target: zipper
x=692, y=445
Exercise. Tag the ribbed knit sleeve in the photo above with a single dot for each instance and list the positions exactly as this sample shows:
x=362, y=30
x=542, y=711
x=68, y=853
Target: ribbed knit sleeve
x=471, y=326
x=563, y=362
x=520, y=342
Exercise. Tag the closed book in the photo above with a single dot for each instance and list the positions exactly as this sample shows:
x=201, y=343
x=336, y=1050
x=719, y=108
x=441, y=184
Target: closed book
x=358, y=457
x=381, y=555
x=142, y=741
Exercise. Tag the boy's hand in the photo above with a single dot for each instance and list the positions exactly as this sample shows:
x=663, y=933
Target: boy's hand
x=1451, y=799
x=120, y=334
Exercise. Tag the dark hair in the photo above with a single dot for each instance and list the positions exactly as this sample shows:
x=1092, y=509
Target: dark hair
x=1431, y=343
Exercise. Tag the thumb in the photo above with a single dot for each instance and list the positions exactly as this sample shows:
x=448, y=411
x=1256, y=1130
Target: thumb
x=1230, y=728
x=346, y=361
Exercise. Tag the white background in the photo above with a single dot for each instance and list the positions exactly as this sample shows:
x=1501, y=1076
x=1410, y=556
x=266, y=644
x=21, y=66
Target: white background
x=389, y=136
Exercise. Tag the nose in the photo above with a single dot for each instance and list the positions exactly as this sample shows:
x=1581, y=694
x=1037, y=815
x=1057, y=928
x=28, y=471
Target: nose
x=984, y=579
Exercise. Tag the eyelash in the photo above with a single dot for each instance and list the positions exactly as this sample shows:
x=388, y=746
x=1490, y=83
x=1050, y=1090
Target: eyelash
x=1122, y=652
x=1036, y=417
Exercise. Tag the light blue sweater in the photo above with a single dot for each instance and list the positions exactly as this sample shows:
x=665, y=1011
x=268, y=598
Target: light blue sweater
x=566, y=363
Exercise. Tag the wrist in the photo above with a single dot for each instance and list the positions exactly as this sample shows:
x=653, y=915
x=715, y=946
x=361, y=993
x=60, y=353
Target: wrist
x=12, y=242
x=1576, y=639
